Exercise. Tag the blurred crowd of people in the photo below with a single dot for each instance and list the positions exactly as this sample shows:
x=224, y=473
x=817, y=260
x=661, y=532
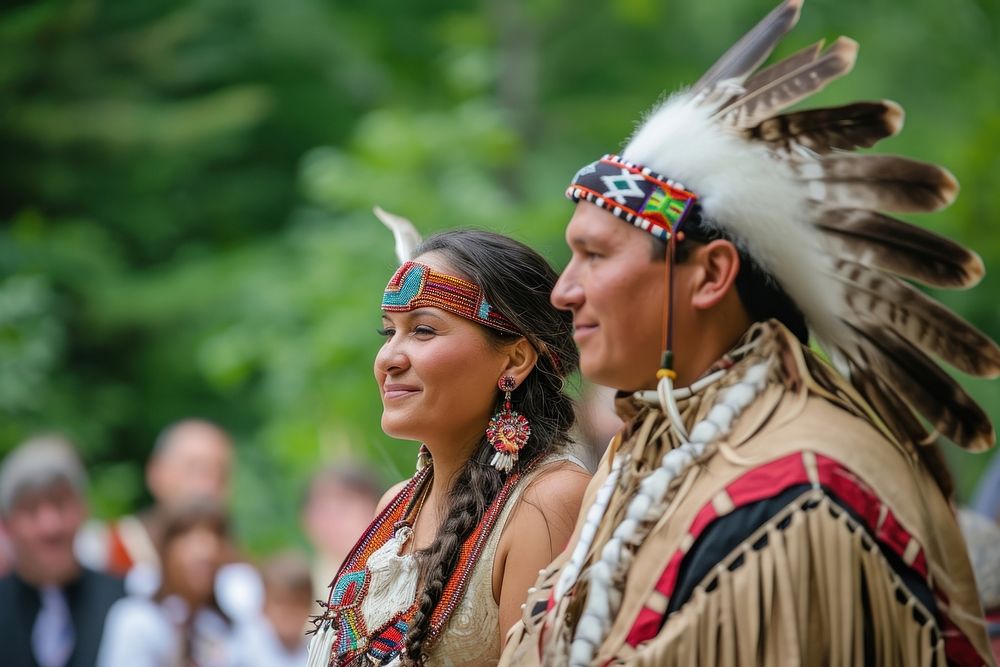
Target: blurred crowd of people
x=167, y=586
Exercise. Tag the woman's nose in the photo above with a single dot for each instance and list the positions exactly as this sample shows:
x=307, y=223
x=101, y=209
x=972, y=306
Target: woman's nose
x=391, y=358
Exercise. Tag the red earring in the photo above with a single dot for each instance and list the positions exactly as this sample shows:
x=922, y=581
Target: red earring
x=508, y=430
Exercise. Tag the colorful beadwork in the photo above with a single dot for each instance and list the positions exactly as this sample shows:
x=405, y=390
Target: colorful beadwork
x=417, y=285
x=380, y=645
x=634, y=193
x=349, y=589
x=508, y=430
x=389, y=643
x=346, y=596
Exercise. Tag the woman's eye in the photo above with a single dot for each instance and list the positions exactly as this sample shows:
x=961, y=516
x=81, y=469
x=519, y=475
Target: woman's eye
x=423, y=331
x=386, y=332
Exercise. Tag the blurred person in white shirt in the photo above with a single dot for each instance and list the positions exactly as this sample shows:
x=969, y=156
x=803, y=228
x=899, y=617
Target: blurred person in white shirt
x=182, y=622
x=339, y=504
x=191, y=461
x=276, y=637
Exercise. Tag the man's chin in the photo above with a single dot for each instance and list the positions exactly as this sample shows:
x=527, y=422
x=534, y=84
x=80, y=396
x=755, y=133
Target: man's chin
x=56, y=572
x=599, y=370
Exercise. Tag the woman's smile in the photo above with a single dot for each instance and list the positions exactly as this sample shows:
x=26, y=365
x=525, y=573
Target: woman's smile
x=394, y=391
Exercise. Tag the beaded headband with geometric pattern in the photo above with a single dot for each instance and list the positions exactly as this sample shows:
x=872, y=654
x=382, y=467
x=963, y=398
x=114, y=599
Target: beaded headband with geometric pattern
x=634, y=193
x=416, y=285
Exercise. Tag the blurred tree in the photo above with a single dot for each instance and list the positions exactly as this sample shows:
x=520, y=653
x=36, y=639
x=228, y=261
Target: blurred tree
x=186, y=187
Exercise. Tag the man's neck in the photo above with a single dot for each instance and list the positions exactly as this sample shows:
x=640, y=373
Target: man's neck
x=695, y=360
x=700, y=360
x=41, y=580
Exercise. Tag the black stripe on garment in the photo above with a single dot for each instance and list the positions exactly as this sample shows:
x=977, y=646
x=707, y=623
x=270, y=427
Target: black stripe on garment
x=726, y=533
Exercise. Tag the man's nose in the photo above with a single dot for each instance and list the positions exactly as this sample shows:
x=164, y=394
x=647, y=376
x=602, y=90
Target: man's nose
x=49, y=519
x=567, y=293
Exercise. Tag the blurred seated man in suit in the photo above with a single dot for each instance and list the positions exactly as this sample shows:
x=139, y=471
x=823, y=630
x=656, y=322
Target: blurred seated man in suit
x=52, y=609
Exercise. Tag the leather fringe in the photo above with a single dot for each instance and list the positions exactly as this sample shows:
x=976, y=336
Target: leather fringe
x=799, y=599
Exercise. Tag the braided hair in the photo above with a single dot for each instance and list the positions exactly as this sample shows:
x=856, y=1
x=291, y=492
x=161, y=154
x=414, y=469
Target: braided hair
x=517, y=281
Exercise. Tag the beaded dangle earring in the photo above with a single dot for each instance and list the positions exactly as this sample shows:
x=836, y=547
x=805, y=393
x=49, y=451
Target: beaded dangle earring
x=508, y=430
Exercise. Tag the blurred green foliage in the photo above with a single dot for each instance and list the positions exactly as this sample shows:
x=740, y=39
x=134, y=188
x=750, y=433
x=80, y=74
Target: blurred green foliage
x=186, y=186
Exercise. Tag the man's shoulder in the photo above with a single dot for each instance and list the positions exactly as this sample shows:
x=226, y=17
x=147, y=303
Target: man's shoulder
x=13, y=586
x=836, y=431
x=102, y=584
x=812, y=418
x=8, y=584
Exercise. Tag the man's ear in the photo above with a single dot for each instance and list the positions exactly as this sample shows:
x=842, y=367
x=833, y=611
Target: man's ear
x=719, y=264
x=521, y=360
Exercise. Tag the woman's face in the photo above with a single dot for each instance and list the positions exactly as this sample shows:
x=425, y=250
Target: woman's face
x=191, y=561
x=437, y=374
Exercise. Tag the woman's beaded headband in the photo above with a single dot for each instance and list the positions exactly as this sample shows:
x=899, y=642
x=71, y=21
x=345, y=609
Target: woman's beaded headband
x=416, y=285
x=634, y=193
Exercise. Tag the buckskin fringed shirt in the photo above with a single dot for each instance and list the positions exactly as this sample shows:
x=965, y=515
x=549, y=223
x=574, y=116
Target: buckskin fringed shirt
x=805, y=535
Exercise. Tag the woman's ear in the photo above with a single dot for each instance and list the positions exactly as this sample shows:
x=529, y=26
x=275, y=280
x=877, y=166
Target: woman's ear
x=719, y=264
x=520, y=360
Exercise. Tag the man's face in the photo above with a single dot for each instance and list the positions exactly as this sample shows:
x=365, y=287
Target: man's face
x=196, y=464
x=42, y=525
x=615, y=291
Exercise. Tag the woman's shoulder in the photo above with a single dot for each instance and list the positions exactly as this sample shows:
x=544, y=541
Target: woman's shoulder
x=552, y=494
x=389, y=495
x=542, y=519
x=556, y=481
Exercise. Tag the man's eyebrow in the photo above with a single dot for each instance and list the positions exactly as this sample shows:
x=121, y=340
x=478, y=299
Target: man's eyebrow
x=589, y=240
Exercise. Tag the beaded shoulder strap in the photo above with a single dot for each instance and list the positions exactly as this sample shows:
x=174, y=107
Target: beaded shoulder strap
x=384, y=526
x=471, y=549
x=397, y=511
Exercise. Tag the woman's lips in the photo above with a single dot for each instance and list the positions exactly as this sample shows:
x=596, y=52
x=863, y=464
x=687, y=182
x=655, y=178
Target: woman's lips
x=395, y=391
x=582, y=330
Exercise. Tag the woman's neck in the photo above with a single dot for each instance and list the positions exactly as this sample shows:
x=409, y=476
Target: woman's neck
x=193, y=600
x=448, y=460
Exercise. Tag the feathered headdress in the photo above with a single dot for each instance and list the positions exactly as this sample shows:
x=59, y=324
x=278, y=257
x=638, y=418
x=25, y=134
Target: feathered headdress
x=786, y=189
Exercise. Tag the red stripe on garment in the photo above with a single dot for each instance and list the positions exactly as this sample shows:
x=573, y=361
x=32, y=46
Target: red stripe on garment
x=771, y=479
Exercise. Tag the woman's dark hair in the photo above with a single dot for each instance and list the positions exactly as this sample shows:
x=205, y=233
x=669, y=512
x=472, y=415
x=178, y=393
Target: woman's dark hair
x=518, y=282
x=761, y=295
x=180, y=521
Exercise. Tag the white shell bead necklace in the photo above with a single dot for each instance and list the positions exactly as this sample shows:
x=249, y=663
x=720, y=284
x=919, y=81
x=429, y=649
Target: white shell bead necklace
x=603, y=597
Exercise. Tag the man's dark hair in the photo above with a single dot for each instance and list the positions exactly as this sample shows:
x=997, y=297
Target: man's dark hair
x=761, y=295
